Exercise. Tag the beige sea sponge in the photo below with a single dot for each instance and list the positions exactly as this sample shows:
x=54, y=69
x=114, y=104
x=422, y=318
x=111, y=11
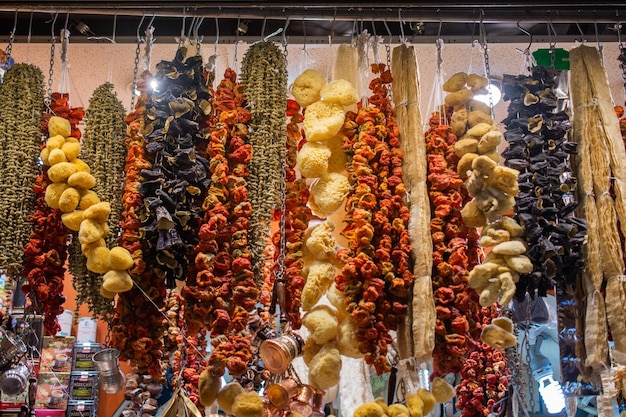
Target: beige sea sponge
x=339, y=92
x=497, y=337
x=56, y=156
x=53, y=194
x=88, y=248
x=71, y=150
x=477, y=83
x=337, y=300
x=117, y=281
x=60, y=172
x=69, y=199
x=90, y=231
x=307, y=86
x=320, y=276
x=98, y=260
x=72, y=220
x=82, y=180
x=475, y=117
x=59, y=126
x=322, y=121
x=329, y=192
x=248, y=404
x=88, y=199
x=81, y=166
x=369, y=409
x=98, y=212
x=107, y=294
x=455, y=82
x=309, y=350
x=44, y=154
x=325, y=367
x=489, y=141
x=338, y=157
x=472, y=215
x=312, y=159
x=458, y=98
x=458, y=122
x=513, y=247
x=322, y=323
x=321, y=243
x=415, y=404
x=465, y=164
x=428, y=399
x=479, y=130
x=120, y=258
x=208, y=387
x=505, y=180
x=398, y=410
x=442, y=391
x=346, y=338
x=226, y=396
x=55, y=142
x=465, y=146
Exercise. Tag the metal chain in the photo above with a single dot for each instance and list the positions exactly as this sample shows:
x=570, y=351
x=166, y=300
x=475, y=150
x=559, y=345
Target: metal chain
x=48, y=98
x=9, y=47
x=622, y=64
x=133, y=95
x=531, y=381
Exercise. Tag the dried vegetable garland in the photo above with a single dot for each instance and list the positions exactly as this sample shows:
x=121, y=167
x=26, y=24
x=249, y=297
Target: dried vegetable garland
x=602, y=174
x=223, y=291
x=136, y=327
x=264, y=75
x=46, y=251
x=174, y=188
x=21, y=103
x=377, y=271
x=104, y=152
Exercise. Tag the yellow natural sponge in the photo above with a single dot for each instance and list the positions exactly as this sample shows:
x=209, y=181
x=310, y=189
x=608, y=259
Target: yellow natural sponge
x=312, y=159
x=329, y=192
x=98, y=260
x=346, y=338
x=53, y=194
x=455, y=82
x=68, y=201
x=320, y=276
x=338, y=158
x=442, y=391
x=309, y=350
x=56, y=156
x=382, y=403
x=44, y=154
x=322, y=121
x=107, y=294
x=81, y=166
x=464, y=146
x=88, y=199
x=98, y=212
x=120, y=258
x=248, y=404
x=71, y=140
x=339, y=92
x=489, y=141
x=325, y=367
x=71, y=150
x=59, y=126
x=428, y=399
x=475, y=117
x=321, y=243
x=370, y=409
x=208, y=387
x=307, y=86
x=226, y=396
x=477, y=82
x=72, y=220
x=397, y=410
x=322, y=323
x=472, y=215
x=82, y=179
x=117, y=281
x=60, y=172
x=88, y=248
x=465, y=164
x=458, y=98
x=55, y=142
x=415, y=405
x=90, y=231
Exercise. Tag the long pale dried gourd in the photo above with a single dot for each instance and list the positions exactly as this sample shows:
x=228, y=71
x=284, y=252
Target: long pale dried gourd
x=346, y=64
x=406, y=98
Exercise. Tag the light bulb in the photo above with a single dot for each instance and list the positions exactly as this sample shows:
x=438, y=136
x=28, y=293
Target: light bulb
x=154, y=85
x=552, y=394
x=494, y=90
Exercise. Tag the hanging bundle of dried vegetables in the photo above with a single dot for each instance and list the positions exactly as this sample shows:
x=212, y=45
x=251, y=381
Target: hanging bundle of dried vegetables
x=46, y=251
x=104, y=152
x=223, y=291
x=602, y=187
x=377, y=271
x=21, y=103
x=137, y=328
x=264, y=75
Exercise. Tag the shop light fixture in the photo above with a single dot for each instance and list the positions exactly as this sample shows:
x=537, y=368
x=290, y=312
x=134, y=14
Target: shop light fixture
x=495, y=90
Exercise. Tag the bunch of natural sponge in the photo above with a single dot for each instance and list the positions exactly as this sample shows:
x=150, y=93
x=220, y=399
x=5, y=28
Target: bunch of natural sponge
x=235, y=401
x=493, y=187
x=417, y=404
x=499, y=334
x=322, y=156
x=495, y=279
x=83, y=212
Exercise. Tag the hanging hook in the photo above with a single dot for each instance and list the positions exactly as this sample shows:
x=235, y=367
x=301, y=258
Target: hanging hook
x=582, y=34
x=263, y=27
x=402, y=38
x=14, y=24
x=331, y=37
x=439, y=29
x=139, y=28
x=54, y=21
x=595, y=27
x=217, y=35
x=388, y=30
x=524, y=31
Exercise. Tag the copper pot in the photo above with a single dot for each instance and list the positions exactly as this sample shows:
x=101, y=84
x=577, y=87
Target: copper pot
x=278, y=353
x=280, y=394
x=302, y=402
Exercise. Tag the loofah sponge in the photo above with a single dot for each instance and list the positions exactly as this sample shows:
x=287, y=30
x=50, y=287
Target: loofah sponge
x=60, y=172
x=325, y=367
x=322, y=121
x=59, y=126
x=339, y=92
x=307, y=86
x=248, y=404
x=322, y=323
x=98, y=260
x=338, y=158
x=69, y=199
x=321, y=243
x=370, y=409
x=82, y=180
x=312, y=159
x=329, y=192
x=455, y=82
x=442, y=391
x=208, y=387
x=88, y=199
x=98, y=212
x=226, y=396
x=117, y=281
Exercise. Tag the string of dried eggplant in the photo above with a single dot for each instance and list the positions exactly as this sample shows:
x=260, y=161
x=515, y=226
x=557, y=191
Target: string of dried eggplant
x=21, y=98
x=103, y=150
x=264, y=76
